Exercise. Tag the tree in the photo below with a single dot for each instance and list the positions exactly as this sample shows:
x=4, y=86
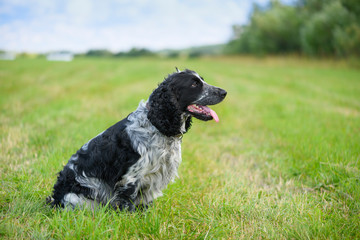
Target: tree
x=99, y=53
x=329, y=31
x=313, y=27
x=135, y=52
x=271, y=30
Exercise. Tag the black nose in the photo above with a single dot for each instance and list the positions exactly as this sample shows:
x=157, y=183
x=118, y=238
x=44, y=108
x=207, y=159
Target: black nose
x=222, y=93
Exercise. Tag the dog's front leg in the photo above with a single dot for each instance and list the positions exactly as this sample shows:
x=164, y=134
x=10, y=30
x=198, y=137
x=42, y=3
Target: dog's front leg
x=124, y=197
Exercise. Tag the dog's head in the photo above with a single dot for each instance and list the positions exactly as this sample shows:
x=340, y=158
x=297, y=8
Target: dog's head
x=194, y=95
x=181, y=95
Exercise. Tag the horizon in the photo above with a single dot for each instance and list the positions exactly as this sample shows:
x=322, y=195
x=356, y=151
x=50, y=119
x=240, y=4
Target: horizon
x=40, y=26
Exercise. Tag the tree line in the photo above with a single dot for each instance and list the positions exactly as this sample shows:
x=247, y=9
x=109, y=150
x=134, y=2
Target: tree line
x=311, y=27
x=134, y=52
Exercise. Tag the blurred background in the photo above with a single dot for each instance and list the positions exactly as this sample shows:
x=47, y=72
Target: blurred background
x=63, y=29
x=282, y=163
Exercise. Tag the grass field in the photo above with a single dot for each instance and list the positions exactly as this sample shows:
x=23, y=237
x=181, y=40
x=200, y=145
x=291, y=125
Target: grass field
x=282, y=163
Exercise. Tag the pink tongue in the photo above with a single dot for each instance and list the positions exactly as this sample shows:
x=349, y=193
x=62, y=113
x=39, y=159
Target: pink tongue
x=212, y=113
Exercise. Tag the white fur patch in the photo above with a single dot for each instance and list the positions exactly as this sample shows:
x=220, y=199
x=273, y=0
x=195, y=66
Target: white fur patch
x=100, y=191
x=76, y=200
x=159, y=161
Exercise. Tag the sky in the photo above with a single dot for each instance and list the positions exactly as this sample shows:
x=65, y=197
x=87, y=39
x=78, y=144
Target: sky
x=118, y=25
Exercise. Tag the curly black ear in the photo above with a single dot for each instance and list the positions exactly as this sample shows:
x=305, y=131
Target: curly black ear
x=164, y=112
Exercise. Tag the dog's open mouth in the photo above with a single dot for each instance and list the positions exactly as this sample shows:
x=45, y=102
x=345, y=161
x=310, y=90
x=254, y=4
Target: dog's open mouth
x=202, y=112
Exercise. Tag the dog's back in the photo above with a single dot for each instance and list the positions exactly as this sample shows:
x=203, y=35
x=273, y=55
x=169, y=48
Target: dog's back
x=129, y=164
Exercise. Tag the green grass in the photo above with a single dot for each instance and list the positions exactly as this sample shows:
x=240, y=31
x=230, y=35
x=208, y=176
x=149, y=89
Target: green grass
x=283, y=163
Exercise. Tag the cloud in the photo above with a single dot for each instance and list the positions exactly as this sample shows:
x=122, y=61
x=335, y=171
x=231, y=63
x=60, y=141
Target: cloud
x=79, y=25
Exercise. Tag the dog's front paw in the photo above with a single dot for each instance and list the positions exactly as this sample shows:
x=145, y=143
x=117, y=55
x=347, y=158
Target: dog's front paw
x=124, y=206
x=49, y=200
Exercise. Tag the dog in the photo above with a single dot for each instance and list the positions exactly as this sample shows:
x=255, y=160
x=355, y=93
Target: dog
x=128, y=165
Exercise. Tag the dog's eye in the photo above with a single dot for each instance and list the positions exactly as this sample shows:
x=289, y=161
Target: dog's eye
x=195, y=84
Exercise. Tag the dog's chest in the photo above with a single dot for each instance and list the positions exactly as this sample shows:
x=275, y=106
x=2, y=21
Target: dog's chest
x=156, y=168
x=160, y=161
x=158, y=164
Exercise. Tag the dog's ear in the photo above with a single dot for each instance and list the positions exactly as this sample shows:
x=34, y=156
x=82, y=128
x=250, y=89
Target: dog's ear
x=177, y=70
x=164, y=112
x=188, y=123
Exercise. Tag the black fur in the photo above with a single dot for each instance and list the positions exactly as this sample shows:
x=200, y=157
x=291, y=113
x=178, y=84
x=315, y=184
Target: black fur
x=96, y=171
x=107, y=157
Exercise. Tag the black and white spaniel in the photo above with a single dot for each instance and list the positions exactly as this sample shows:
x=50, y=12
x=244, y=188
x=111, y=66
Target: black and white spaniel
x=128, y=165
